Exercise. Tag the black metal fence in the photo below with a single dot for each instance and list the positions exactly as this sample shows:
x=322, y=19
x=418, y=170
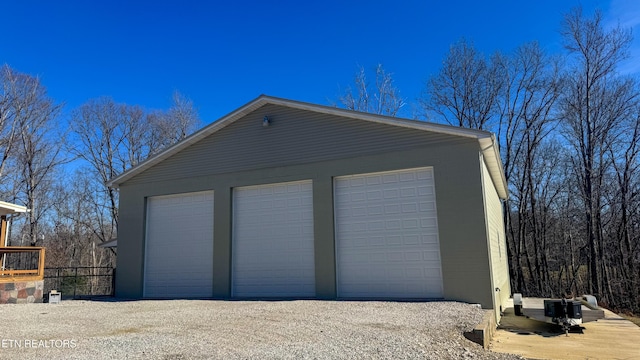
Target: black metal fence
x=80, y=282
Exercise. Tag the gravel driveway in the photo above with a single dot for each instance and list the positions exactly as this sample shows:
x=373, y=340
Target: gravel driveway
x=201, y=329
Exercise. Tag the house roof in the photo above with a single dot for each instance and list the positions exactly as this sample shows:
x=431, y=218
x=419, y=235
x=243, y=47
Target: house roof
x=486, y=140
x=8, y=208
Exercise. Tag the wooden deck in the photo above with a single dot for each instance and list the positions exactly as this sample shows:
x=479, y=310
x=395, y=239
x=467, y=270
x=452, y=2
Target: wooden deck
x=609, y=338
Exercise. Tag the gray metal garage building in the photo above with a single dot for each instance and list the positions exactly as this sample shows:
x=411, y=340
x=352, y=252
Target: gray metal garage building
x=284, y=199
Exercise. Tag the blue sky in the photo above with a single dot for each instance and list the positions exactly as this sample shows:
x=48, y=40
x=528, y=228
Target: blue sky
x=224, y=54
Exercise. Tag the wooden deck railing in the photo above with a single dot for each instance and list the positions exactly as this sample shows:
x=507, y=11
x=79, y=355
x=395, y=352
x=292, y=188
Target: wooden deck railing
x=21, y=263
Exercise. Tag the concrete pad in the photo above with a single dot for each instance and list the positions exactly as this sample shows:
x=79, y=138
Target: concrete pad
x=610, y=338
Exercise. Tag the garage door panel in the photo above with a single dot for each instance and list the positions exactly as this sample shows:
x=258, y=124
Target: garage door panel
x=386, y=235
x=273, y=249
x=431, y=256
x=428, y=206
x=179, y=246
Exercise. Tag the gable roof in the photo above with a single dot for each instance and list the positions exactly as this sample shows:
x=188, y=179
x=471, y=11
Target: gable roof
x=486, y=140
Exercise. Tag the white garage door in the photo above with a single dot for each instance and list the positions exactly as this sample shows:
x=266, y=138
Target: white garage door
x=387, y=235
x=273, y=241
x=179, y=246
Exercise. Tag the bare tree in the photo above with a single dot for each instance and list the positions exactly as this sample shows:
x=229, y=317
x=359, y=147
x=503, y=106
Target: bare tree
x=595, y=102
x=29, y=142
x=181, y=120
x=38, y=157
x=382, y=98
x=80, y=222
x=98, y=127
x=526, y=103
x=624, y=201
x=465, y=90
x=13, y=89
x=113, y=137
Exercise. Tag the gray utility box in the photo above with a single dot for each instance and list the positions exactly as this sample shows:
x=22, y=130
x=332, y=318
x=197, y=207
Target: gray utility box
x=54, y=297
x=556, y=309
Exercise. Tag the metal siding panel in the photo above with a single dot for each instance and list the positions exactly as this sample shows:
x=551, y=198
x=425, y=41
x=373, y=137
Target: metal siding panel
x=294, y=137
x=497, y=240
x=496, y=230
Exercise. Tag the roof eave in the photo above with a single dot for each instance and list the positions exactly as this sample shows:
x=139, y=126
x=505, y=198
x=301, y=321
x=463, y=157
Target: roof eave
x=491, y=154
x=9, y=208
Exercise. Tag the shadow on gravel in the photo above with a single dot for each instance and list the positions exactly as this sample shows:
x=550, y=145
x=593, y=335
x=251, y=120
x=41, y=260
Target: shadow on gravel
x=106, y=298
